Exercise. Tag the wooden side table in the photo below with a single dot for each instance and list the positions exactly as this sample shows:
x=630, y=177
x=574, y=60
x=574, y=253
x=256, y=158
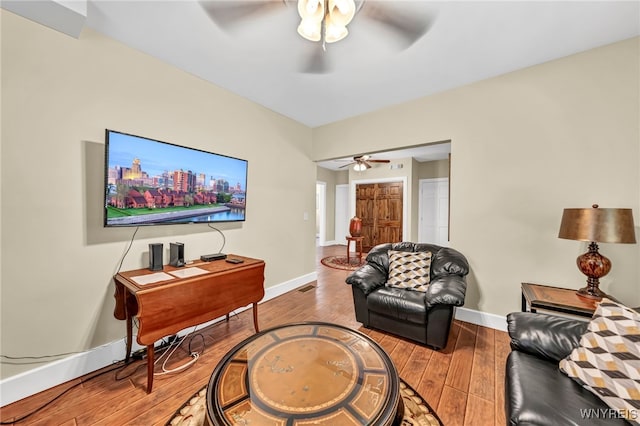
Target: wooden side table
x=357, y=246
x=556, y=299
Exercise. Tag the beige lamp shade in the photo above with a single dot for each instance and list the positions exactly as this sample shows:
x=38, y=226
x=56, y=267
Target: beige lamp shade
x=598, y=225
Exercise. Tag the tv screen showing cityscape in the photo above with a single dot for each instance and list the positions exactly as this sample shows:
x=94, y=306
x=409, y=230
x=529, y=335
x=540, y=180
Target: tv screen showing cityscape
x=149, y=182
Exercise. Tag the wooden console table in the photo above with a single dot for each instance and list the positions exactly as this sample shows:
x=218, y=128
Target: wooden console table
x=172, y=304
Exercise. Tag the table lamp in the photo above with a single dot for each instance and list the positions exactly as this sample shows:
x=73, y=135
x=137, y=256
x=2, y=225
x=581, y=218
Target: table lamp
x=596, y=225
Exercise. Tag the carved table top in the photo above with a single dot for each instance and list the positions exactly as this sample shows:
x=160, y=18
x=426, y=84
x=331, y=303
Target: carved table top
x=308, y=373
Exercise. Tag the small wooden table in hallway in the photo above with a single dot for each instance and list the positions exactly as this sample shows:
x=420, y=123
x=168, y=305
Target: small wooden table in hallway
x=357, y=247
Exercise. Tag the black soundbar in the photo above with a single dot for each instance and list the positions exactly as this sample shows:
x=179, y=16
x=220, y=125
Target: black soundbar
x=215, y=256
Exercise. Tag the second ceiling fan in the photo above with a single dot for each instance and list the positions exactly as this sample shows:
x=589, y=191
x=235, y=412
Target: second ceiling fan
x=363, y=162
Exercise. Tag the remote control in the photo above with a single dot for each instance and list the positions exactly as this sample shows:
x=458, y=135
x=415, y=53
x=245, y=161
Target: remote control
x=236, y=261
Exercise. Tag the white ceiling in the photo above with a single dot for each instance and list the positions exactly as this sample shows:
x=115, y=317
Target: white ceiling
x=261, y=57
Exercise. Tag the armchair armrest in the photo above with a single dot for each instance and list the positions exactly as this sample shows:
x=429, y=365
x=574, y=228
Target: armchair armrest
x=446, y=290
x=367, y=278
x=546, y=336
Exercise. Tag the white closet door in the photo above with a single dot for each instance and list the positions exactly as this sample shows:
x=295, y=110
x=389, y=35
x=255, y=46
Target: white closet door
x=342, y=214
x=434, y=211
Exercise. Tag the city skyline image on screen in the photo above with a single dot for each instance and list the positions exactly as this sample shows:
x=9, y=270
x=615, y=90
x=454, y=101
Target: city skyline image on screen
x=150, y=182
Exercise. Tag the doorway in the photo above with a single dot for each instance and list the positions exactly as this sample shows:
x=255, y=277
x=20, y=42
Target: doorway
x=405, y=198
x=380, y=207
x=433, y=211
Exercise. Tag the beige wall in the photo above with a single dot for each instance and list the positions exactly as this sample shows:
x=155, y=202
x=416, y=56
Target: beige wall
x=525, y=146
x=58, y=96
x=433, y=169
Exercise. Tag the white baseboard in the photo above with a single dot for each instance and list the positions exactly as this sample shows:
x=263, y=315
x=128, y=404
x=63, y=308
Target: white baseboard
x=57, y=372
x=30, y=382
x=280, y=289
x=484, y=319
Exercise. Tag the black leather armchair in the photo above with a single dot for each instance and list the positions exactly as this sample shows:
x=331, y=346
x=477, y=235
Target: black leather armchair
x=536, y=391
x=424, y=317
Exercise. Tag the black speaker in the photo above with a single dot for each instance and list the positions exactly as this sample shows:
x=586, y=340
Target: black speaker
x=176, y=254
x=155, y=257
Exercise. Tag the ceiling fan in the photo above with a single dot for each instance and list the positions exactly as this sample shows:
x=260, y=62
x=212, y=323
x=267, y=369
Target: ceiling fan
x=323, y=21
x=363, y=162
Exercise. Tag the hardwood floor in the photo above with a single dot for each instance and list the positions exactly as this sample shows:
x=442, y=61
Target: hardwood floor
x=464, y=383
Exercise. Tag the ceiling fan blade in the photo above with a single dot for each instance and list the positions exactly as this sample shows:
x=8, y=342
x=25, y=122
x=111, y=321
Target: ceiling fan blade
x=347, y=165
x=379, y=161
x=226, y=13
x=317, y=63
x=408, y=26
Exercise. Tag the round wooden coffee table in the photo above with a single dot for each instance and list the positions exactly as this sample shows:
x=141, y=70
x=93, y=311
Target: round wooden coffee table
x=302, y=374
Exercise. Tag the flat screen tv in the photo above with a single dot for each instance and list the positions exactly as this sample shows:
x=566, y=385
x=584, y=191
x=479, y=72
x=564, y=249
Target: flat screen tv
x=149, y=182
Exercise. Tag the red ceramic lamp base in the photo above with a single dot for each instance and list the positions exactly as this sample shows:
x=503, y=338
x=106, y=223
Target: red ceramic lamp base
x=594, y=266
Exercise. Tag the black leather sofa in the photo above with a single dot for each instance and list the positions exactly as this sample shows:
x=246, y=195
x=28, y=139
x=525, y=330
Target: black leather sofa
x=536, y=391
x=424, y=317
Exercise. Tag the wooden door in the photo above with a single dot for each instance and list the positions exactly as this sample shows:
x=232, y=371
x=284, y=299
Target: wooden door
x=379, y=205
x=389, y=213
x=365, y=210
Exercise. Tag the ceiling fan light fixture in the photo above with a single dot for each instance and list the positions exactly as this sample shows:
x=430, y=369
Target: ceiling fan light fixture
x=359, y=167
x=341, y=12
x=330, y=17
x=333, y=32
x=312, y=10
x=310, y=29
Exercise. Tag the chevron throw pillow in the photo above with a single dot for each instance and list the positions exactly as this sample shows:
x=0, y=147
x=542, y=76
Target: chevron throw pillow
x=409, y=270
x=607, y=362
